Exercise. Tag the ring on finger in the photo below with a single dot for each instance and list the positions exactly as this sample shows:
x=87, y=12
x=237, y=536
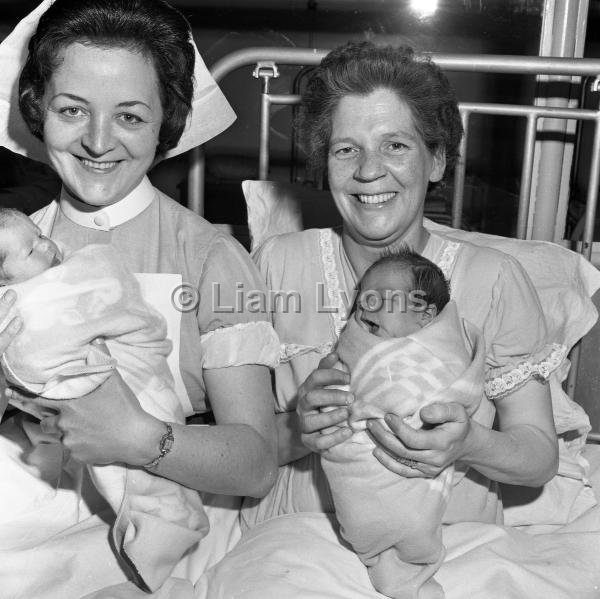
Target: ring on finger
x=49, y=426
x=407, y=462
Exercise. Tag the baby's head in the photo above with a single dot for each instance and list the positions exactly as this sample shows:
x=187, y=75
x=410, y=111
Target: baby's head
x=400, y=293
x=24, y=251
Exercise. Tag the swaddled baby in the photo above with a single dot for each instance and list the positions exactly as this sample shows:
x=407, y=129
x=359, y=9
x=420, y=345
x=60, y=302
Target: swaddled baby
x=405, y=347
x=66, y=305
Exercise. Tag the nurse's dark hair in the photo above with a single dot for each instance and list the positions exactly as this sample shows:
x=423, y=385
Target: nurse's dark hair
x=359, y=68
x=151, y=27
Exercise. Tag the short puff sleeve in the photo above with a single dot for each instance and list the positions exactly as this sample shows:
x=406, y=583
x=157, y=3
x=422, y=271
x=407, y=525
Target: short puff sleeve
x=518, y=346
x=233, y=316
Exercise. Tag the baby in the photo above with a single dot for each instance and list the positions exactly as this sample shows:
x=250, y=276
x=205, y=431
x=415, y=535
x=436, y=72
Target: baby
x=66, y=304
x=24, y=251
x=405, y=347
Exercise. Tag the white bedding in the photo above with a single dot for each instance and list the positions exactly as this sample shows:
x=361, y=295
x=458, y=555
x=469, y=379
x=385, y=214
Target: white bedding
x=300, y=556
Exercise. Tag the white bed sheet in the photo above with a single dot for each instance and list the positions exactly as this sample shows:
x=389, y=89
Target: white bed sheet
x=301, y=556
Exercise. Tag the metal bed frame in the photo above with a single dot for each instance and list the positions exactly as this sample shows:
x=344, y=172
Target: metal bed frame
x=265, y=61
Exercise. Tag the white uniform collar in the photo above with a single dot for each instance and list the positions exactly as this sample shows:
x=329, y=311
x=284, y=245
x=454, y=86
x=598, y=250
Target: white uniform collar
x=105, y=218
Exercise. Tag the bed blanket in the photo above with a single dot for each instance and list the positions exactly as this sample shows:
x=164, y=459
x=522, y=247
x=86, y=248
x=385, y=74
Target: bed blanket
x=394, y=523
x=93, y=296
x=300, y=556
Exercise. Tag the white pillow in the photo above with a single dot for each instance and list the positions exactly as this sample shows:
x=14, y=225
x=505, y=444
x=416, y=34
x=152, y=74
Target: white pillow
x=565, y=280
x=275, y=208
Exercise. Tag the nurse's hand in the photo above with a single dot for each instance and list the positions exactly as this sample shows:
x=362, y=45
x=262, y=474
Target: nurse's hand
x=107, y=425
x=7, y=334
x=323, y=412
x=427, y=451
x=12, y=329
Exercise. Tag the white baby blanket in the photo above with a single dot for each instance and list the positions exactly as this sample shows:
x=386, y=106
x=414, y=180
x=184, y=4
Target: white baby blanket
x=394, y=523
x=90, y=296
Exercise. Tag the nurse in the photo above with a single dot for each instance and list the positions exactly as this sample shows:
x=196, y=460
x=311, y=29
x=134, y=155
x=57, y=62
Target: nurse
x=106, y=90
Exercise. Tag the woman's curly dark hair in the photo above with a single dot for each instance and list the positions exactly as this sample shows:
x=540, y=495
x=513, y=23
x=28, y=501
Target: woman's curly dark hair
x=359, y=68
x=151, y=27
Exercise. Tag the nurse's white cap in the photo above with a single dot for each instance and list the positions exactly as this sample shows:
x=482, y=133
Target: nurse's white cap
x=211, y=113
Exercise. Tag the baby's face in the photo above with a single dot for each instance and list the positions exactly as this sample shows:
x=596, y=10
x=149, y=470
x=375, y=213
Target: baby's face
x=27, y=252
x=384, y=307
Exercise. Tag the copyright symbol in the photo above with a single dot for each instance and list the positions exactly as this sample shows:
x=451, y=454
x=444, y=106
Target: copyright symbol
x=185, y=298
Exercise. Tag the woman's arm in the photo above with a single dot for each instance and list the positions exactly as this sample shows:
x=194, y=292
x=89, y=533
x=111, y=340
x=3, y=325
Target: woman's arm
x=523, y=451
x=289, y=438
x=237, y=456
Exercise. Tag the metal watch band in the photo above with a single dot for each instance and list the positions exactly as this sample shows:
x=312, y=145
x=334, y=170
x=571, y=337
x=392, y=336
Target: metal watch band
x=165, y=445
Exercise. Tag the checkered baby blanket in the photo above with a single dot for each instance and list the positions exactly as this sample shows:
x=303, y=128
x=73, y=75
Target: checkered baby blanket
x=379, y=510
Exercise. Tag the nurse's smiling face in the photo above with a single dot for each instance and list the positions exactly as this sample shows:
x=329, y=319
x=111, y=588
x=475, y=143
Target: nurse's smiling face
x=102, y=121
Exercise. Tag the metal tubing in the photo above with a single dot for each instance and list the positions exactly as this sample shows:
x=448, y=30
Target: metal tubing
x=551, y=183
x=195, y=180
x=521, y=65
x=481, y=63
x=265, y=118
x=248, y=56
x=593, y=437
x=538, y=111
x=592, y=195
x=285, y=99
x=526, y=172
x=459, y=173
x=264, y=70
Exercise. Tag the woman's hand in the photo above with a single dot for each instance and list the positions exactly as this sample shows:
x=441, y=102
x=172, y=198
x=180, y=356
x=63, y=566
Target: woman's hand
x=106, y=426
x=12, y=329
x=427, y=451
x=314, y=396
x=7, y=334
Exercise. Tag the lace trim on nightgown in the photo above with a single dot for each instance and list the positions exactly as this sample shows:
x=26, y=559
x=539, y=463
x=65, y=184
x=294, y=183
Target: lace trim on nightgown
x=332, y=280
x=448, y=258
x=512, y=380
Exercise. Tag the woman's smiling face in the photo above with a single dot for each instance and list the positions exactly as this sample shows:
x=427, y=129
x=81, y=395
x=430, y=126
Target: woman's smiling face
x=102, y=121
x=379, y=168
